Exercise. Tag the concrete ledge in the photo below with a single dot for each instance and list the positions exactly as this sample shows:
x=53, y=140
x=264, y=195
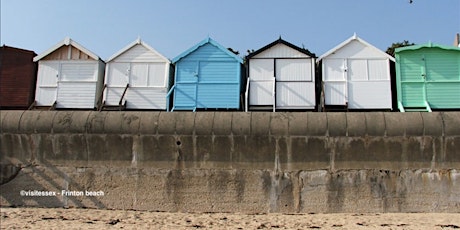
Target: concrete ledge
x=235, y=161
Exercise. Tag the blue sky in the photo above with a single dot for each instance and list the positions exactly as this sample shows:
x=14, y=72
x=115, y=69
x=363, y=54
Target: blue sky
x=172, y=26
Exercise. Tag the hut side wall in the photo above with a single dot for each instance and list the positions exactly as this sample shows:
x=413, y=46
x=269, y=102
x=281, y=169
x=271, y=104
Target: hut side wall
x=18, y=74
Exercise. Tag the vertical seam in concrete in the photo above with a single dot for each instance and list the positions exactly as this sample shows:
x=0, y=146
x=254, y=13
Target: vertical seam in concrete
x=250, y=123
x=20, y=119
x=385, y=133
x=443, y=136
x=346, y=124
x=52, y=121
x=232, y=142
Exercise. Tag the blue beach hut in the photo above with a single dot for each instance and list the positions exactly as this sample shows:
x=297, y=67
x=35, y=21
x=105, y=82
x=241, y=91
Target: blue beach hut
x=207, y=76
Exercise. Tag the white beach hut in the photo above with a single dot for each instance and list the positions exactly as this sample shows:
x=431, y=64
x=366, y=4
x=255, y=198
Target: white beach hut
x=137, y=77
x=356, y=75
x=69, y=76
x=281, y=76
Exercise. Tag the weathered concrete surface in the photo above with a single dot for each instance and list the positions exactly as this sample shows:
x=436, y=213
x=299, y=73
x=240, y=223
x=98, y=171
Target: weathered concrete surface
x=233, y=161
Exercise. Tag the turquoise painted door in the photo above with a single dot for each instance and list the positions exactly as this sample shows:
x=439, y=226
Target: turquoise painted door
x=442, y=79
x=413, y=80
x=186, y=86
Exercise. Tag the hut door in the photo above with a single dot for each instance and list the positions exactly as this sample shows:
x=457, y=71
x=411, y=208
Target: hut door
x=262, y=78
x=77, y=85
x=335, y=81
x=48, y=74
x=294, y=85
x=186, y=85
x=116, y=82
x=413, y=81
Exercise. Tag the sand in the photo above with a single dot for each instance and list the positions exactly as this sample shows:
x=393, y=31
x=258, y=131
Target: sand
x=59, y=218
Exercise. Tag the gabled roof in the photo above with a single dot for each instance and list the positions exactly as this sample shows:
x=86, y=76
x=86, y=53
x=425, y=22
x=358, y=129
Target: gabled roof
x=204, y=42
x=427, y=45
x=281, y=41
x=349, y=40
x=67, y=41
x=137, y=42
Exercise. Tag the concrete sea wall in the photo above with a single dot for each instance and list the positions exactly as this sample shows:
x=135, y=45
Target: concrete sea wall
x=231, y=161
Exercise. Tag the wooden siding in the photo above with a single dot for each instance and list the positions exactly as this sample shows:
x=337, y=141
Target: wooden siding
x=67, y=53
x=294, y=70
x=78, y=95
x=356, y=49
x=369, y=95
x=292, y=95
x=208, y=52
x=139, y=53
x=260, y=92
x=47, y=81
x=18, y=74
x=146, y=98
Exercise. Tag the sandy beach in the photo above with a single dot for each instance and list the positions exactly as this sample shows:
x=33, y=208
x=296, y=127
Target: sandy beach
x=58, y=218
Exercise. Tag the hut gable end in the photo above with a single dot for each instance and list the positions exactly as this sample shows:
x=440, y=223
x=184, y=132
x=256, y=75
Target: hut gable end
x=281, y=51
x=68, y=53
x=138, y=51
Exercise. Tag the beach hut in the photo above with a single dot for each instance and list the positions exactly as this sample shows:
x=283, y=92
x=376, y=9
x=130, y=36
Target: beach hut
x=18, y=74
x=137, y=77
x=207, y=76
x=69, y=76
x=281, y=76
x=356, y=75
x=428, y=77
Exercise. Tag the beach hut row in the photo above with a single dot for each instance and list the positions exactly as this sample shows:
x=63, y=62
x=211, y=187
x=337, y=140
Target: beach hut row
x=354, y=75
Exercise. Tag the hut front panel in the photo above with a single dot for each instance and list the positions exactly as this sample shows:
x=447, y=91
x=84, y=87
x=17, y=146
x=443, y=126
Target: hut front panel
x=47, y=82
x=116, y=79
x=146, y=98
x=294, y=95
x=295, y=87
x=77, y=85
x=412, y=81
x=261, y=92
x=218, y=95
x=369, y=95
x=369, y=84
x=218, y=85
x=147, y=86
x=262, y=80
x=335, y=84
x=78, y=95
x=442, y=78
x=294, y=70
x=185, y=96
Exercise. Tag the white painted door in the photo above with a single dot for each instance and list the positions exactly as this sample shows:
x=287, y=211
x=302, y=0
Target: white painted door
x=48, y=74
x=294, y=84
x=117, y=78
x=77, y=85
x=335, y=81
x=368, y=84
x=262, y=78
x=146, y=89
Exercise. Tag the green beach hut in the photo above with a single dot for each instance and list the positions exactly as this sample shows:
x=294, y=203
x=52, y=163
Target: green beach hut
x=428, y=77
